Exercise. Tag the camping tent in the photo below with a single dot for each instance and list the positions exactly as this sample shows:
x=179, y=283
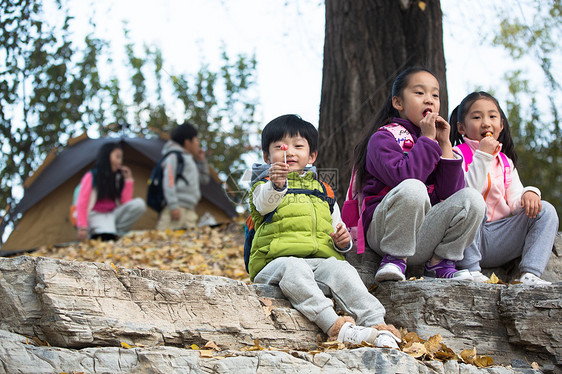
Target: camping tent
x=44, y=208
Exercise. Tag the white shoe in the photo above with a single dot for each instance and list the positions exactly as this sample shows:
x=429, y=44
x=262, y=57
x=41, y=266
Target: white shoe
x=389, y=272
x=350, y=333
x=461, y=275
x=479, y=277
x=530, y=279
x=386, y=339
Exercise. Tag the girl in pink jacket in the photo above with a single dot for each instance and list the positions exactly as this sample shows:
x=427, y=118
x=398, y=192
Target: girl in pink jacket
x=105, y=206
x=518, y=223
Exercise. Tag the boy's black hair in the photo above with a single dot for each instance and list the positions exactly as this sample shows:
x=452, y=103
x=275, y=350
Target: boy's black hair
x=108, y=184
x=183, y=132
x=383, y=117
x=292, y=125
x=458, y=114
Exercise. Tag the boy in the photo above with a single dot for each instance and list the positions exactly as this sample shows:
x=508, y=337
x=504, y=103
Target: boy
x=183, y=193
x=299, y=246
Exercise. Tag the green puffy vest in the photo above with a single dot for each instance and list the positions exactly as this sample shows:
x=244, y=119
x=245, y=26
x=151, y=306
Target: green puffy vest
x=300, y=226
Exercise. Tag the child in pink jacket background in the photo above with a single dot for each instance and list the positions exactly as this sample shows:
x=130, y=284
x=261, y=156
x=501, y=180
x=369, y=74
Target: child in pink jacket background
x=105, y=206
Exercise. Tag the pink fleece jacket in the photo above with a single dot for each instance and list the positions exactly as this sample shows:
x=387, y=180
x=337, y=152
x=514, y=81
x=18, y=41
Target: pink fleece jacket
x=485, y=174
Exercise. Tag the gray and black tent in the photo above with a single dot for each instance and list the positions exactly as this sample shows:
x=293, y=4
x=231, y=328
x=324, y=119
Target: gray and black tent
x=44, y=209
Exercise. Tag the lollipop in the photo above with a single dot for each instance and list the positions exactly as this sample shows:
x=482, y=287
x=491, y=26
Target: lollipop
x=489, y=134
x=426, y=112
x=284, y=148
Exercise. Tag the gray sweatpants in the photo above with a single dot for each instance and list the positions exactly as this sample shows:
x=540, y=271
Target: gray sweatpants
x=118, y=221
x=308, y=282
x=501, y=241
x=405, y=224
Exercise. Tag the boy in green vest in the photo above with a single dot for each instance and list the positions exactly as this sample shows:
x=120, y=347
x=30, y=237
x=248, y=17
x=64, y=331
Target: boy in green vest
x=299, y=242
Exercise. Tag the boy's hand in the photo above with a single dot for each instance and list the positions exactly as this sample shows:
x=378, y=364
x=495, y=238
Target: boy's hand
x=532, y=204
x=175, y=214
x=278, y=174
x=489, y=145
x=341, y=237
x=200, y=155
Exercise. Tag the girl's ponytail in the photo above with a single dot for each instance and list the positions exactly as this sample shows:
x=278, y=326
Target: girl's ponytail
x=454, y=135
x=383, y=117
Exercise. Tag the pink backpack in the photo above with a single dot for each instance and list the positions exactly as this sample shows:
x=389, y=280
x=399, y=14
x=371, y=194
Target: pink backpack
x=354, y=205
x=467, y=154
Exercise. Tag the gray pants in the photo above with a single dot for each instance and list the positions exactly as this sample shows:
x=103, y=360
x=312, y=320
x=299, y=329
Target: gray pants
x=308, y=282
x=118, y=221
x=501, y=241
x=405, y=225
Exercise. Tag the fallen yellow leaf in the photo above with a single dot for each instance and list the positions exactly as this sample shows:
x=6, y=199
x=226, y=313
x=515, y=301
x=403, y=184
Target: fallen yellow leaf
x=493, y=279
x=483, y=361
x=211, y=345
x=411, y=337
x=433, y=344
x=469, y=355
x=267, y=305
x=126, y=346
x=415, y=350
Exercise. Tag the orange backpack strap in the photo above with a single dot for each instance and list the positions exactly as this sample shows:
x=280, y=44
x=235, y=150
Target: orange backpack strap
x=330, y=195
x=329, y=191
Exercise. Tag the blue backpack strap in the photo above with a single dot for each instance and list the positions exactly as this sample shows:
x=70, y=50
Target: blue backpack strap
x=323, y=195
x=250, y=230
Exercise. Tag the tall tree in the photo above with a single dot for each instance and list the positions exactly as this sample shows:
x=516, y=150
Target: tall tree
x=42, y=92
x=367, y=43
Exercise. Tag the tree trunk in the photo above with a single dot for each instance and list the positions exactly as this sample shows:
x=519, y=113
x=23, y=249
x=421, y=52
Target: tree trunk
x=367, y=43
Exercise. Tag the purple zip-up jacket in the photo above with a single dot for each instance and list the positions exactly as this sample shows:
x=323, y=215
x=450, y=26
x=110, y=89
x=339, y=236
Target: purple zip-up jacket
x=387, y=165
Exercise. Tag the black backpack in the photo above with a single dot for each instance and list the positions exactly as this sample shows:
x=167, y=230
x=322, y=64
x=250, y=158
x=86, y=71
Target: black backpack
x=155, y=193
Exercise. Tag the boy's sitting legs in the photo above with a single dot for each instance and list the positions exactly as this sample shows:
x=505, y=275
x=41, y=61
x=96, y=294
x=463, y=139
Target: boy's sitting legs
x=307, y=282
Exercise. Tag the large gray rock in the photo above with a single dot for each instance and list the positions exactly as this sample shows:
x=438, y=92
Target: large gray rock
x=502, y=321
x=78, y=304
x=85, y=311
x=18, y=356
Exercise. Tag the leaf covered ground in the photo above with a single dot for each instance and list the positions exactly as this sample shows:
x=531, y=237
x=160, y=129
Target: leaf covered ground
x=207, y=251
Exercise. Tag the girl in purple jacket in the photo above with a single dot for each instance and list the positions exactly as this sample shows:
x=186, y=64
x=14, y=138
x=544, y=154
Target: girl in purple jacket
x=415, y=207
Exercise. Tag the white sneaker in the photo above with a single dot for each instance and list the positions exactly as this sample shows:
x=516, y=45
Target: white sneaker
x=461, y=275
x=386, y=339
x=389, y=272
x=479, y=277
x=350, y=333
x=530, y=279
